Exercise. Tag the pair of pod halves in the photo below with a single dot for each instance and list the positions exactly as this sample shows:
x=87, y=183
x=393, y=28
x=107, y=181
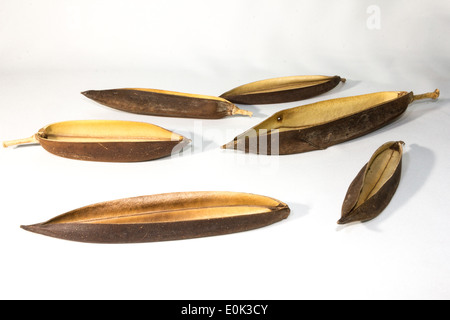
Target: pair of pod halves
x=185, y=215
x=305, y=128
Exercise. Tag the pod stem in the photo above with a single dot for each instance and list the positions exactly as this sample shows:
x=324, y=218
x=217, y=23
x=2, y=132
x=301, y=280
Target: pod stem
x=343, y=80
x=236, y=110
x=431, y=95
x=31, y=139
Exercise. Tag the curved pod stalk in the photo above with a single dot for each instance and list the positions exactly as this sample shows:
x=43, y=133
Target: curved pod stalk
x=162, y=217
x=106, y=140
x=375, y=185
x=283, y=89
x=165, y=103
x=322, y=124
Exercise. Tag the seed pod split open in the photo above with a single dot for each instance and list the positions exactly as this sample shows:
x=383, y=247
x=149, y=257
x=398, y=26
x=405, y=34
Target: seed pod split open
x=283, y=89
x=375, y=185
x=170, y=216
x=106, y=140
x=322, y=124
x=165, y=103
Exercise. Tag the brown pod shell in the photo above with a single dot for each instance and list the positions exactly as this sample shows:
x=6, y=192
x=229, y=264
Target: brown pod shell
x=106, y=140
x=283, y=89
x=322, y=124
x=165, y=103
x=162, y=217
x=375, y=184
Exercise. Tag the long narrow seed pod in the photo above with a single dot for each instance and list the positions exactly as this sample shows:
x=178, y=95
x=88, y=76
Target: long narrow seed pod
x=106, y=140
x=161, y=217
x=375, y=185
x=283, y=89
x=165, y=103
x=320, y=125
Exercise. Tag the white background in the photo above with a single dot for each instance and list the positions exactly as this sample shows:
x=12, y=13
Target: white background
x=50, y=51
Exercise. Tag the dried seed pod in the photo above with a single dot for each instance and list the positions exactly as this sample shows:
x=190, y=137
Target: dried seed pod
x=375, y=185
x=283, y=89
x=319, y=125
x=161, y=217
x=106, y=140
x=165, y=103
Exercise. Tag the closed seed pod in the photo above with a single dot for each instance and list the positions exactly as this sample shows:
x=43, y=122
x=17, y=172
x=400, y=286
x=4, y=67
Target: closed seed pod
x=106, y=140
x=165, y=103
x=161, y=217
x=283, y=89
x=375, y=185
x=322, y=124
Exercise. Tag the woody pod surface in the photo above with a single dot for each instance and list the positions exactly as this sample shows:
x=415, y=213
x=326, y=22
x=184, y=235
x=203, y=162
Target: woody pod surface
x=106, y=140
x=162, y=217
x=374, y=186
x=282, y=89
x=165, y=103
x=322, y=124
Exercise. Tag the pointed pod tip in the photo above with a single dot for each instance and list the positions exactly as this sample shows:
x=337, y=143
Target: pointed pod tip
x=345, y=220
x=229, y=145
x=88, y=93
x=38, y=228
x=27, y=227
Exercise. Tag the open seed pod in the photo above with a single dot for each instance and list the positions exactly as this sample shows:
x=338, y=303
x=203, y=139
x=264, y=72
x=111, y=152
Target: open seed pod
x=322, y=124
x=165, y=103
x=283, y=89
x=170, y=216
x=375, y=185
x=106, y=140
